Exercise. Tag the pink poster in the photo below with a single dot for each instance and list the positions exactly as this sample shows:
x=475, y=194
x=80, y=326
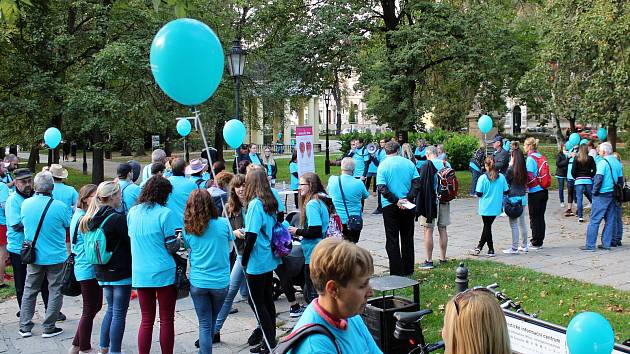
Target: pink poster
x=305, y=149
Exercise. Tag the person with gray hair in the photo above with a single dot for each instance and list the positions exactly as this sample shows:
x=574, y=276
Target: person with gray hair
x=45, y=223
x=158, y=155
x=348, y=194
x=604, y=207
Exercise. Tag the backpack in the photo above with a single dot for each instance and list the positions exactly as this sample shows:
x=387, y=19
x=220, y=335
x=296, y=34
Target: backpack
x=334, y=227
x=281, y=241
x=544, y=177
x=122, y=199
x=294, y=339
x=447, y=184
x=95, y=245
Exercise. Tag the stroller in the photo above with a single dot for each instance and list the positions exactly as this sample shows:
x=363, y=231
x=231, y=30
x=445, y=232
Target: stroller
x=291, y=272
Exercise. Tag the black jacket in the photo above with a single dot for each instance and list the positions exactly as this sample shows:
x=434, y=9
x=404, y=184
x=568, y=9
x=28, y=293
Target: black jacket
x=117, y=237
x=583, y=170
x=562, y=164
x=502, y=160
x=426, y=198
x=274, y=170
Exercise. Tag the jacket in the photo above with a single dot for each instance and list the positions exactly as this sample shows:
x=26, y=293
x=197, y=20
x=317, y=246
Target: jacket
x=426, y=199
x=581, y=171
x=502, y=160
x=117, y=238
x=562, y=164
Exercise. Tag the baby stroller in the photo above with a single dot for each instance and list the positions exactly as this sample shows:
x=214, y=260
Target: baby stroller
x=291, y=272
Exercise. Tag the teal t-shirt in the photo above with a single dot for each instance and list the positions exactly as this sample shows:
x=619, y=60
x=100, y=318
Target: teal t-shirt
x=569, y=168
x=396, y=173
x=51, y=244
x=355, y=338
x=295, y=181
x=281, y=208
x=422, y=153
x=532, y=167
x=255, y=159
x=83, y=270
x=66, y=194
x=200, y=182
x=316, y=215
x=361, y=156
x=4, y=195
x=610, y=174
x=176, y=202
x=257, y=221
x=148, y=227
x=354, y=191
x=130, y=193
x=13, y=209
x=491, y=202
x=210, y=255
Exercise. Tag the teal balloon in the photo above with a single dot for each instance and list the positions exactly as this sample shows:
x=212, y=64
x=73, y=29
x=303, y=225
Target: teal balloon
x=187, y=61
x=590, y=333
x=234, y=133
x=568, y=146
x=184, y=127
x=602, y=134
x=574, y=138
x=584, y=142
x=485, y=124
x=52, y=137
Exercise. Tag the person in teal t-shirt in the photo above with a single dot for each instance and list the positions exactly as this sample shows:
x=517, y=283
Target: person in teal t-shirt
x=182, y=187
x=350, y=202
x=254, y=156
x=362, y=159
x=130, y=191
x=420, y=154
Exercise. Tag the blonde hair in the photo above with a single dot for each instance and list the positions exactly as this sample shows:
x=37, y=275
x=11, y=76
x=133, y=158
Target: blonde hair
x=407, y=153
x=339, y=261
x=268, y=160
x=475, y=324
x=104, y=193
x=530, y=144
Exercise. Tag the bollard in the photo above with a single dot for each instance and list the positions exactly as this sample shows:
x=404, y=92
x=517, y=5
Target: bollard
x=461, y=278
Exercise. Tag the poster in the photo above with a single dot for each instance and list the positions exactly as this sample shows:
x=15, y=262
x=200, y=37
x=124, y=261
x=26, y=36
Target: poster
x=305, y=151
x=155, y=141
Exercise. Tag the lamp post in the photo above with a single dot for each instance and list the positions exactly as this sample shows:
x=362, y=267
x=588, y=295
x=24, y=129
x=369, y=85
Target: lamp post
x=327, y=93
x=236, y=64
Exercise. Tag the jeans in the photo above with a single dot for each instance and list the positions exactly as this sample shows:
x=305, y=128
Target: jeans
x=475, y=176
x=309, y=289
x=581, y=190
x=237, y=281
x=515, y=224
x=166, y=296
x=35, y=275
x=261, y=295
x=399, y=225
x=208, y=303
x=19, y=277
x=113, y=326
x=603, y=208
x=92, y=296
x=537, y=205
x=486, y=233
x=561, y=181
x=618, y=234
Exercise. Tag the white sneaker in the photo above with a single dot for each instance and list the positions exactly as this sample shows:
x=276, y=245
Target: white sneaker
x=523, y=249
x=510, y=251
x=561, y=205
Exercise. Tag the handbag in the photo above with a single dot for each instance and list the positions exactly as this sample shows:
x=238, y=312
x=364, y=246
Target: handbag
x=69, y=284
x=618, y=188
x=513, y=209
x=181, y=280
x=28, y=247
x=355, y=222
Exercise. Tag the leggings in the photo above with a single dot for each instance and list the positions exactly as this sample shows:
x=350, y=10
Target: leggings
x=92, y=295
x=166, y=296
x=261, y=295
x=486, y=234
x=571, y=191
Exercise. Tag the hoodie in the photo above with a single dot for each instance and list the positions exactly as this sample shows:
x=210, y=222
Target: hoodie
x=117, y=237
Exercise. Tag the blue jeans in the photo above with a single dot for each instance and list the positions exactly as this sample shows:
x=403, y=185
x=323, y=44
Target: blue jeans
x=113, y=326
x=617, y=235
x=237, y=281
x=604, y=208
x=580, y=191
x=207, y=303
x=561, y=181
x=475, y=176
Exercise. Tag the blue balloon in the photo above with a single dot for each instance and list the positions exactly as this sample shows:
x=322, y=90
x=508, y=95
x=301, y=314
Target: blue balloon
x=590, y=333
x=187, y=61
x=485, y=123
x=234, y=133
x=184, y=127
x=602, y=133
x=584, y=142
x=574, y=139
x=568, y=146
x=52, y=137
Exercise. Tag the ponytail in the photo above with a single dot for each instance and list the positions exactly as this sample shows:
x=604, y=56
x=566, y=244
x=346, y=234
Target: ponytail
x=492, y=171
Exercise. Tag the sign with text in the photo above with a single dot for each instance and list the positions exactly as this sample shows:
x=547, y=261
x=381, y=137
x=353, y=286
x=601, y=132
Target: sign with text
x=155, y=141
x=305, y=153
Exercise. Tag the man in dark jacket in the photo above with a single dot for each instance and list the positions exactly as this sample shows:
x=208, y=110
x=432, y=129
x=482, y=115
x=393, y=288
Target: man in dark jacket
x=501, y=156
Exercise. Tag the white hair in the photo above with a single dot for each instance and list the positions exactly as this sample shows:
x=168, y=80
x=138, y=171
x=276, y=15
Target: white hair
x=43, y=182
x=348, y=165
x=158, y=155
x=431, y=150
x=606, y=148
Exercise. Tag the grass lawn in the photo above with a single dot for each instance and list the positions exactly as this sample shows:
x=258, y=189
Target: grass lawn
x=552, y=298
x=75, y=179
x=9, y=291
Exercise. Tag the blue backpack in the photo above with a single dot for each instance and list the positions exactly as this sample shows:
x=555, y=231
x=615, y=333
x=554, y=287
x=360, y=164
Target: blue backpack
x=281, y=241
x=95, y=245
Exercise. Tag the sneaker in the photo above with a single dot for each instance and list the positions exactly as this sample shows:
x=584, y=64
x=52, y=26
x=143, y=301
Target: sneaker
x=61, y=317
x=233, y=310
x=561, y=205
x=491, y=253
x=587, y=249
x=260, y=348
x=474, y=252
x=427, y=265
x=580, y=219
x=443, y=261
x=535, y=248
x=569, y=212
x=523, y=249
x=377, y=211
x=510, y=251
x=53, y=332
x=255, y=337
x=25, y=334
x=602, y=247
x=295, y=311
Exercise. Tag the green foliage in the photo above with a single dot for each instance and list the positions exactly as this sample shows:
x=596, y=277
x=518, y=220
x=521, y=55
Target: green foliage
x=460, y=149
x=368, y=137
x=434, y=137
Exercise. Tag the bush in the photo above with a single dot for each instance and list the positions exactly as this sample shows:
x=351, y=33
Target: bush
x=367, y=138
x=460, y=149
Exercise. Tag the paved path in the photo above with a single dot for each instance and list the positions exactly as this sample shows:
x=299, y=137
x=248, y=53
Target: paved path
x=560, y=256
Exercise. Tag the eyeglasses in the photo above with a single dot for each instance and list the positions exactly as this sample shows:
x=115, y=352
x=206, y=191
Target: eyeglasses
x=303, y=184
x=461, y=295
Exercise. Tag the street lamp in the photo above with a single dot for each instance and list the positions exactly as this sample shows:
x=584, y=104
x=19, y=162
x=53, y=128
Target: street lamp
x=327, y=93
x=236, y=64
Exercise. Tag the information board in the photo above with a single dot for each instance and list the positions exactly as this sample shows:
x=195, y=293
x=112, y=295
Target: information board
x=305, y=152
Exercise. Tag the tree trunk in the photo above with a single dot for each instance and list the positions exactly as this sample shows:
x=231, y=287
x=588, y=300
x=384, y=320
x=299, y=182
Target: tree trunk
x=33, y=157
x=2, y=154
x=559, y=135
x=612, y=136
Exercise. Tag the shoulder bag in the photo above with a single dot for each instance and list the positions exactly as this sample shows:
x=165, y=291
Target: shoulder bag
x=355, y=222
x=618, y=193
x=69, y=284
x=28, y=247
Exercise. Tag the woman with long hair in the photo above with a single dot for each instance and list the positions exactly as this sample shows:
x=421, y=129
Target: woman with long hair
x=537, y=196
x=490, y=189
x=583, y=170
x=269, y=163
x=209, y=239
x=475, y=324
x=517, y=181
x=408, y=153
x=91, y=292
x=114, y=276
x=153, y=241
x=295, y=180
x=258, y=259
x=315, y=211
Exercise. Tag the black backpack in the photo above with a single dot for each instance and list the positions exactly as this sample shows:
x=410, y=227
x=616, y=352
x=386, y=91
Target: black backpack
x=294, y=339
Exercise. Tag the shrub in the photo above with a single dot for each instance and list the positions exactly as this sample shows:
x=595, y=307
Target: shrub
x=367, y=138
x=460, y=149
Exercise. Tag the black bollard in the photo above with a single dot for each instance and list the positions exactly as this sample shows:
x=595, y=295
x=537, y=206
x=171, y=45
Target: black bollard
x=461, y=277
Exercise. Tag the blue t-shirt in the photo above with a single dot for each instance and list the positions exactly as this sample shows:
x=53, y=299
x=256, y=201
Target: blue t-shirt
x=491, y=202
x=66, y=194
x=200, y=182
x=7, y=179
x=255, y=160
x=361, y=156
x=356, y=338
x=281, y=208
x=210, y=255
x=130, y=193
x=609, y=179
x=316, y=215
x=12, y=209
x=522, y=198
x=148, y=227
x=83, y=270
x=182, y=187
x=474, y=166
x=51, y=244
x=569, y=168
x=4, y=195
x=396, y=173
x=422, y=153
x=354, y=191
x=295, y=181
x=379, y=155
x=532, y=167
x=257, y=221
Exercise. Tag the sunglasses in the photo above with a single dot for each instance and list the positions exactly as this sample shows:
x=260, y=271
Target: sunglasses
x=463, y=294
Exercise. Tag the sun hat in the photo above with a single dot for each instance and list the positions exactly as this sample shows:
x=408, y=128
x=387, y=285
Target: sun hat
x=58, y=171
x=195, y=166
